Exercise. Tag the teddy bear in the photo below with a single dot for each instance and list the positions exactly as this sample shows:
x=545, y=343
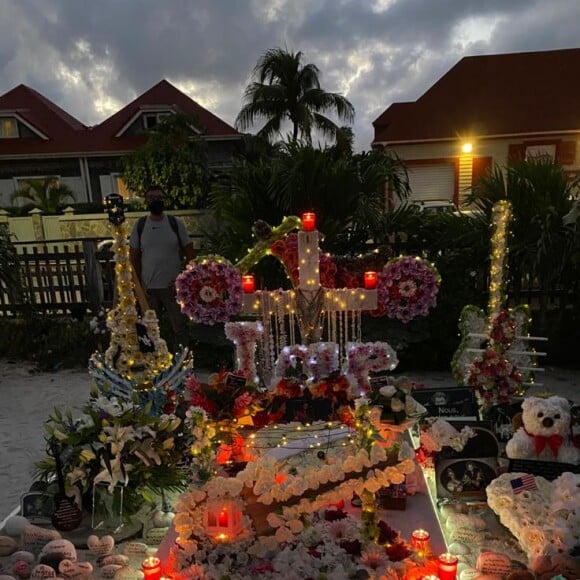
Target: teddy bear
x=545, y=433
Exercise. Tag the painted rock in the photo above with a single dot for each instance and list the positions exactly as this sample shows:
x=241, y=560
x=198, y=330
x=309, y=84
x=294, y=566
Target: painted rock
x=520, y=575
x=6, y=577
x=459, y=548
x=22, y=569
x=127, y=573
x=100, y=546
x=63, y=547
x=135, y=549
x=469, y=574
x=110, y=570
x=494, y=563
x=8, y=545
x=117, y=559
x=455, y=521
x=72, y=569
x=466, y=536
x=15, y=525
x=42, y=571
x=22, y=556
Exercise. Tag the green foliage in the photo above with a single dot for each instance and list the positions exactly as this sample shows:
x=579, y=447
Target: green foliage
x=283, y=90
x=46, y=194
x=345, y=191
x=542, y=244
x=173, y=157
x=9, y=263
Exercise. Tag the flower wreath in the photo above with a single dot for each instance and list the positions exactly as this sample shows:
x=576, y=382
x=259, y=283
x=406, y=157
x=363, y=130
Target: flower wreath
x=363, y=357
x=209, y=290
x=407, y=288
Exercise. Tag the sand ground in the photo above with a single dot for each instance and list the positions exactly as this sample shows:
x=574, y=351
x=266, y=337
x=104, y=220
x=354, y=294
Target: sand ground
x=27, y=397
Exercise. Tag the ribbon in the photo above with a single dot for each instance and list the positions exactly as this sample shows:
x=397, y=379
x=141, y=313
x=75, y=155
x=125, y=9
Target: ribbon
x=554, y=442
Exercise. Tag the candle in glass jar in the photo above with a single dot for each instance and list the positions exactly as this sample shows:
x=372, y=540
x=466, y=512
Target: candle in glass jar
x=309, y=221
x=248, y=284
x=430, y=577
x=370, y=280
x=420, y=541
x=223, y=519
x=151, y=568
x=447, y=566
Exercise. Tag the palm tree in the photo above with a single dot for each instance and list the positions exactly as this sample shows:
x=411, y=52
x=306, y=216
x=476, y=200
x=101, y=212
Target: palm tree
x=9, y=263
x=541, y=195
x=46, y=194
x=286, y=90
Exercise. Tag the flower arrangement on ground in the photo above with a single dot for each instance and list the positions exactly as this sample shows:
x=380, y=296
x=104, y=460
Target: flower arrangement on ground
x=118, y=443
x=209, y=290
x=407, y=288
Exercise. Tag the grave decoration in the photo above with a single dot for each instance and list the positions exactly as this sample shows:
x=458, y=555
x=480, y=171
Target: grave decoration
x=137, y=359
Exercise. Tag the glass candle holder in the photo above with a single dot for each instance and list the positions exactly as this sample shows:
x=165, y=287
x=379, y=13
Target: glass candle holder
x=151, y=568
x=420, y=541
x=309, y=221
x=248, y=284
x=370, y=280
x=447, y=566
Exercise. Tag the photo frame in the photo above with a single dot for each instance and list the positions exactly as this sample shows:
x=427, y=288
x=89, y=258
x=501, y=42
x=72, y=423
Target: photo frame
x=465, y=477
x=37, y=507
x=235, y=381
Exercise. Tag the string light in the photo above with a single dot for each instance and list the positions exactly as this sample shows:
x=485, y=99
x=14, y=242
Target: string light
x=501, y=216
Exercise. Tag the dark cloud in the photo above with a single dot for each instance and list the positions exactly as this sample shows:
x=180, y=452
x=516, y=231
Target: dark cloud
x=93, y=57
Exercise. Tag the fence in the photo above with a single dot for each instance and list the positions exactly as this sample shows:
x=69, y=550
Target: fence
x=61, y=278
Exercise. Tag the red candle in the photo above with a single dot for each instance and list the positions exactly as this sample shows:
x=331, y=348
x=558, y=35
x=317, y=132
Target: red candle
x=420, y=541
x=370, y=280
x=151, y=568
x=248, y=284
x=447, y=566
x=309, y=221
x=223, y=519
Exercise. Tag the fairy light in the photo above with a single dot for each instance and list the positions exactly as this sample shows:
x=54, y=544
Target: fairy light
x=501, y=215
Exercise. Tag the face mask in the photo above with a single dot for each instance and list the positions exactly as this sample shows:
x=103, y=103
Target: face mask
x=156, y=207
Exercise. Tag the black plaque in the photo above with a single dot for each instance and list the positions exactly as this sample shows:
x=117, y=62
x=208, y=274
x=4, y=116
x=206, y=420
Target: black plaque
x=549, y=470
x=452, y=403
x=67, y=516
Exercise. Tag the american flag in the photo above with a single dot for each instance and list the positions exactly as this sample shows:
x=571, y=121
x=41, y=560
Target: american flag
x=526, y=481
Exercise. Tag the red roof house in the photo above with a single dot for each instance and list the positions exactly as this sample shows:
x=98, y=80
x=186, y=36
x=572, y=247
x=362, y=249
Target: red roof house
x=486, y=110
x=39, y=139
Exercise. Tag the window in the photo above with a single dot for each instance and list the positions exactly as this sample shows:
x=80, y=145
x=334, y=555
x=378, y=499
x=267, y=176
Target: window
x=541, y=151
x=8, y=128
x=151, y=120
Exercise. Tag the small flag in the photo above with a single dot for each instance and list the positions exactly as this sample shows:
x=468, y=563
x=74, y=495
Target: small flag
x=522, y=483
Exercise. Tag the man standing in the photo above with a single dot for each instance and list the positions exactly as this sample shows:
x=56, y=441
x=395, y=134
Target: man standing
x=159, y=244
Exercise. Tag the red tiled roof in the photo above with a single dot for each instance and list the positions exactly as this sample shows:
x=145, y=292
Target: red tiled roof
x=66, y=135
x=505, y=94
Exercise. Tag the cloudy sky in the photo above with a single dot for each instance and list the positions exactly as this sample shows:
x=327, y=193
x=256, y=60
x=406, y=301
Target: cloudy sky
x=91, y=57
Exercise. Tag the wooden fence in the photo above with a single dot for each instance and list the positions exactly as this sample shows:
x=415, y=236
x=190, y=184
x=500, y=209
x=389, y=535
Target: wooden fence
x=61, y=278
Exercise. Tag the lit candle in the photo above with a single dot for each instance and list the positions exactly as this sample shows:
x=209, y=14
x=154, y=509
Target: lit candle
x=309, y=221
x=223, y=519
x=447, y=566
x=151, y=568
x=370, y=280
x=420, y=541
x=248, y=284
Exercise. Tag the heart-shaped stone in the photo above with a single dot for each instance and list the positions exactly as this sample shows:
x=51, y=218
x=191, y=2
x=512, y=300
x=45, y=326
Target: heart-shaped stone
x=42, y=571
x=100, y=546
x=74, y=569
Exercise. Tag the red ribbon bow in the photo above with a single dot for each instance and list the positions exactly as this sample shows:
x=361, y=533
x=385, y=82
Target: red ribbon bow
x=554, y=442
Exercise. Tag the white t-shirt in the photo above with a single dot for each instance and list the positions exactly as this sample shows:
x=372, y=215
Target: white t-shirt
x=160, y=251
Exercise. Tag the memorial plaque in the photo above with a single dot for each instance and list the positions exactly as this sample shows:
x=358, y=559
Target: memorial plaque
x=465, y=477
x=37, y=507
x=235, y=381
x=453, y=403
x=549, y=470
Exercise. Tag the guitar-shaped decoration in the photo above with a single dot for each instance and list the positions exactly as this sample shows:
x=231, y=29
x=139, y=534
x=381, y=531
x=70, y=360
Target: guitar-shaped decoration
x=136, y=350
x=67, y=515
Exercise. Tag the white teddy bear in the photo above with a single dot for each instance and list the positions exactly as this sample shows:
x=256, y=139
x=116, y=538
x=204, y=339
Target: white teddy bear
x=545, y=434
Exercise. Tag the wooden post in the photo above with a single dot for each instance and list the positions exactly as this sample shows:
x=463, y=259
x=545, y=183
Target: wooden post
x=94, y=274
